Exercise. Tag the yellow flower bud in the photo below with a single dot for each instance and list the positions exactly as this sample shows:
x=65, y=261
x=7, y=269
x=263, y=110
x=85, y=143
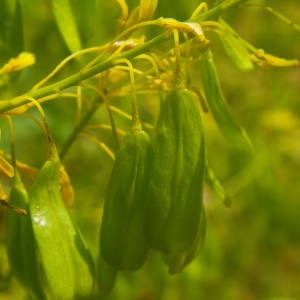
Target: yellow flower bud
x=22, y=61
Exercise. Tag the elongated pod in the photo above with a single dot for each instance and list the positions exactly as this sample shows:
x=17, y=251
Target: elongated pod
x=106, y=275
x=218, y=105
x=122, y=240
x=21, y=246
x=174, y=197
x=176, y=262
x=66, y=262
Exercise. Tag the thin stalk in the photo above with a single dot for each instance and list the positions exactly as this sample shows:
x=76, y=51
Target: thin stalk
x=66, y=146
x=16, y=209
x=217, y=10
x=113, y=124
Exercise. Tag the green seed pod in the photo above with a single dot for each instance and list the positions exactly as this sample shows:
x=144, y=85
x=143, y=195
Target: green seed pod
x=174, y=197
x=21, y=247
x=178, y=261
x=218, y=105
x=235, y=48
x=122, y=240
x=106, y=275
x=66, y=262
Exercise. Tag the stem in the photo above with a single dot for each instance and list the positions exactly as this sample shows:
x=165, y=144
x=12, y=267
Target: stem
x=11, y=142
x=78, y=128
x=217, y=10
x=113, y=124
x=76, y=78
x=276, y=14
x=134, y=107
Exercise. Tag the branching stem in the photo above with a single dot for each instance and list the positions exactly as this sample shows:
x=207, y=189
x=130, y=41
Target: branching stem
x=75, y=79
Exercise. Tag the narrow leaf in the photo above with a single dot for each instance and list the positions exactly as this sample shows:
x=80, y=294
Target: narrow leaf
x=85, y=14
x=11, y=29
x=66, y=23
x=17, y=33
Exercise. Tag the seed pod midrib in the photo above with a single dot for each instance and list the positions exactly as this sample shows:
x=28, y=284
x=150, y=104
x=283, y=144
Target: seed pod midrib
x=170, y=204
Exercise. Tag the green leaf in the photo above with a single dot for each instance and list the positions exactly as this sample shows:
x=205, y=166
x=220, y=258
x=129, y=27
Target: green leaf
x=85, y=13
x=17, y=33
x=11, y=29
x=4, y=21
x=66, y=261
x=66, y=23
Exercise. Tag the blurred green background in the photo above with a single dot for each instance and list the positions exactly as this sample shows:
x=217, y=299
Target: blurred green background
x=251, y=250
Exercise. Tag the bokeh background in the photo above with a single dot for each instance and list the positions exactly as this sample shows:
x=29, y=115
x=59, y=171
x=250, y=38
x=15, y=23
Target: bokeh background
x=251, y=250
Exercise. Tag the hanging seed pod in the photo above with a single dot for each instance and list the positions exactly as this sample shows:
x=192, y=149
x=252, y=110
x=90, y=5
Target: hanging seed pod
x=21, y=247
x=218, y=105
x=235, y=48
x=106, y=275
x=122, y=240
x=174, y=198
x=176, y=262
x=66, y=262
